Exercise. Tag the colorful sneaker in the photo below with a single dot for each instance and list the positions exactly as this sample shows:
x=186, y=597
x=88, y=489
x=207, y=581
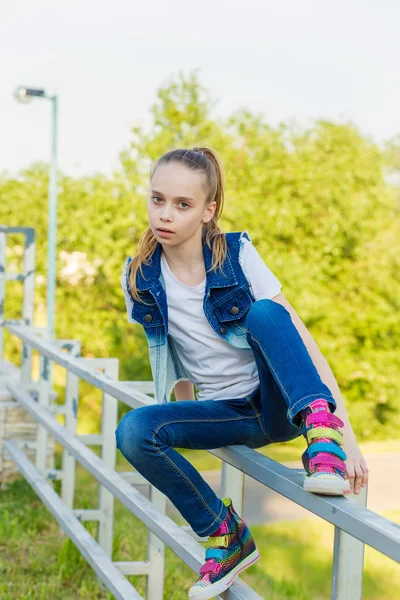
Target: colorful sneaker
x=231, y=549
x=324, y=458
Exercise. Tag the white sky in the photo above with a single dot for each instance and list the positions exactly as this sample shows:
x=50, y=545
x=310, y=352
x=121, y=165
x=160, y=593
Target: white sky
x=300, y=59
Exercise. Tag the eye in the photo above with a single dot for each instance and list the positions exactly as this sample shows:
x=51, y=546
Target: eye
x=154, y=198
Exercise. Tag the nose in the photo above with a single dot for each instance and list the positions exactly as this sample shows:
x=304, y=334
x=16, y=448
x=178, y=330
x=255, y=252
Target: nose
x=165, y=214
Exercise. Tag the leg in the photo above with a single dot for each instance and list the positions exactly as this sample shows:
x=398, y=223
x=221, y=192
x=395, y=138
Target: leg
x=294, y=399
x=146, y=437
x=289, y=380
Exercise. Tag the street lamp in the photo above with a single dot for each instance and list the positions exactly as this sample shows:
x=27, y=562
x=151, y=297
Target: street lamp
x=25, y=95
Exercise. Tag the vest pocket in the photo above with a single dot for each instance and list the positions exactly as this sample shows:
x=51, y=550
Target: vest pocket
x=148, y=316
x=233, y=307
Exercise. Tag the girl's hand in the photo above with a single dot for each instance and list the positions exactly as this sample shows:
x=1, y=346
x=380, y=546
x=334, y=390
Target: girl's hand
x=356, y=467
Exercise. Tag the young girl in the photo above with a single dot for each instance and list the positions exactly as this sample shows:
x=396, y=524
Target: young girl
x=214, y=316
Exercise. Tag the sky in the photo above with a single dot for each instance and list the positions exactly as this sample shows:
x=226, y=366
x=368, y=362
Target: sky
x=288, y=59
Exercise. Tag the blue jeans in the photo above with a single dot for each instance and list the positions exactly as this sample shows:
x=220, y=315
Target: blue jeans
x=289, y=382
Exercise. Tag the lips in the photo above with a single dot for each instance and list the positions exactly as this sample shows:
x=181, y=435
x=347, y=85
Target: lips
x=162, y=229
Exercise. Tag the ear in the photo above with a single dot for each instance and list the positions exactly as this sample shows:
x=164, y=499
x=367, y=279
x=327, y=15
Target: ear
x=209, y=212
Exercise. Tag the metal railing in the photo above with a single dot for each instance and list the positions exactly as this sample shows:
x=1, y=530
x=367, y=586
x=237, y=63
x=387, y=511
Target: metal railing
x=355, y=525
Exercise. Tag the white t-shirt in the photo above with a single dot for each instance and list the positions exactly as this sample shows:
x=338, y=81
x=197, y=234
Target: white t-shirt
x=199, y=348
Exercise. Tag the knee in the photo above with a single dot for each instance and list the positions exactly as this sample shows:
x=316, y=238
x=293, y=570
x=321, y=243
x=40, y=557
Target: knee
x=263, y=312
x=132, y=432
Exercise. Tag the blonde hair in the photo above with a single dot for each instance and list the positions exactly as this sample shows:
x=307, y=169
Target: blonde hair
x=207, y=162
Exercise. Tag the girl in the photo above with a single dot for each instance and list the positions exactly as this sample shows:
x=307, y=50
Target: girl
x=214, y=316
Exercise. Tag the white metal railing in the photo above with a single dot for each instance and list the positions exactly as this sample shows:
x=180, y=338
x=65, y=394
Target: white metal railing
x=355, y=525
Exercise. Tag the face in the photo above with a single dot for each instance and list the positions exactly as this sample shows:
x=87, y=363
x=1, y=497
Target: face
x=177, y=202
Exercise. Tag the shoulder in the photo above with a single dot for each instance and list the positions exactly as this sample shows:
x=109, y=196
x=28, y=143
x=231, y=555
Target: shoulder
x=129, y=301
x=238, y=237
x=125, y=276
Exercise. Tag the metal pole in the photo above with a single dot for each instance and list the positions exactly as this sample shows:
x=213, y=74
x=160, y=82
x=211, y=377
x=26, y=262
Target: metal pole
x=52, y=224
x=3, y=246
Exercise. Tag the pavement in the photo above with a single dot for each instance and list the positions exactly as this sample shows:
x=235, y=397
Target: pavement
x=262, y=505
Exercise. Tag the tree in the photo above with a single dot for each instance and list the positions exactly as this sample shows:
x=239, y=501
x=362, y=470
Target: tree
x=317, y=202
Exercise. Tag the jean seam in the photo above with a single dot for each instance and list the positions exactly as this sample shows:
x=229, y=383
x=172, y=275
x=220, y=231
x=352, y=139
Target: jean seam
x=291, y=410
x=218, y=519
x=176, y=467
x=199, y=421
x=258, y=415
x=271, y=364
x=187, y=480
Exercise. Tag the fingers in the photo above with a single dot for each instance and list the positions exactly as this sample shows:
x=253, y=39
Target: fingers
x=365, y=473
x=357, y=473
x=351, y=476
x=358, y=479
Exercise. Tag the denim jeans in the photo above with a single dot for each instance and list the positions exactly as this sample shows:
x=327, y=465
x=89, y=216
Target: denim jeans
x=289, y=381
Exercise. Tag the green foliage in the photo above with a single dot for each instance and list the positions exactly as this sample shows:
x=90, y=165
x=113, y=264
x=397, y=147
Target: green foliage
x=319, y=208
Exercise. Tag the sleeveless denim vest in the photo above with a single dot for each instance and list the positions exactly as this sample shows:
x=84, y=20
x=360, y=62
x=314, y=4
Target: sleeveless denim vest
x=227, y=300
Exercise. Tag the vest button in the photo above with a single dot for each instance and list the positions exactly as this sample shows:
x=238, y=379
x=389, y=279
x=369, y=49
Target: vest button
x=223, y=329
x=148, y=318
x=234, y=310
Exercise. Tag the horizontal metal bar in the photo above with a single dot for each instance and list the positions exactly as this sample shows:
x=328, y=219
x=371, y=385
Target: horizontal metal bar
x=27, y=444
x=362, y=523
x=25, y=230
x=54, y=474
x=33, y=387
x=134, y=478
x=87, y=545
x=15, y=277
x=164, y=528
x=91, y=439
x=131, y=397
x=98, y=363
x=58, y=409
x=88, y=514
x=140, y=567
x=147, y=387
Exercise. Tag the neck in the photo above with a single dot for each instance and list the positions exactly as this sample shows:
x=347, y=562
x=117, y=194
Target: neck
x=188, y=255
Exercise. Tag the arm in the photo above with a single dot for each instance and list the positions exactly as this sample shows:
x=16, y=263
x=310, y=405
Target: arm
x=321, y=364
x=356, y=465
x=184, y=390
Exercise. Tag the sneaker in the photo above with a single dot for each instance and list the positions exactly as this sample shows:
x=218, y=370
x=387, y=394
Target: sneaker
x=324, y=458
x=231, y=549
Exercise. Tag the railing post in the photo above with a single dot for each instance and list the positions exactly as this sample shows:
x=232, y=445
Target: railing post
x=28, y=301
x=232, y=483
x=3, y=245
x=348, y=560
x=71, y=420
x=109, y=419
x=44, y=399
x=156, y=552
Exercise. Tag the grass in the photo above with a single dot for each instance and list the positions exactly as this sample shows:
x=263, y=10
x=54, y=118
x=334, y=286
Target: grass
x=37, y=563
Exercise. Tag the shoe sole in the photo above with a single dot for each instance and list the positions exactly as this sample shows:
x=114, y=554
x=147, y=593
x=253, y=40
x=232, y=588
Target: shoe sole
x=221, y=586
x=326, y=487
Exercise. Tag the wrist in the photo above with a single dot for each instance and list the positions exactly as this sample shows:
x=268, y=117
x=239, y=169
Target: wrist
x=348, y=434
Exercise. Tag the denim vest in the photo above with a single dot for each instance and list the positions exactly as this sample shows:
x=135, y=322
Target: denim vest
x=227, y=299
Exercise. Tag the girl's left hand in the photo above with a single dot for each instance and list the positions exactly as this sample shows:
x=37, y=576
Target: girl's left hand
x=356, y=466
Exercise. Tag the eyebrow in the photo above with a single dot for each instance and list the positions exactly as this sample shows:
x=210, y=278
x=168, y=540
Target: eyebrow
x=176, y=198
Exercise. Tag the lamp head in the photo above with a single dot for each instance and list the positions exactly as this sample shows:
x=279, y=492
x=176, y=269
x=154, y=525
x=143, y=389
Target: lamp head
x=25, y=95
